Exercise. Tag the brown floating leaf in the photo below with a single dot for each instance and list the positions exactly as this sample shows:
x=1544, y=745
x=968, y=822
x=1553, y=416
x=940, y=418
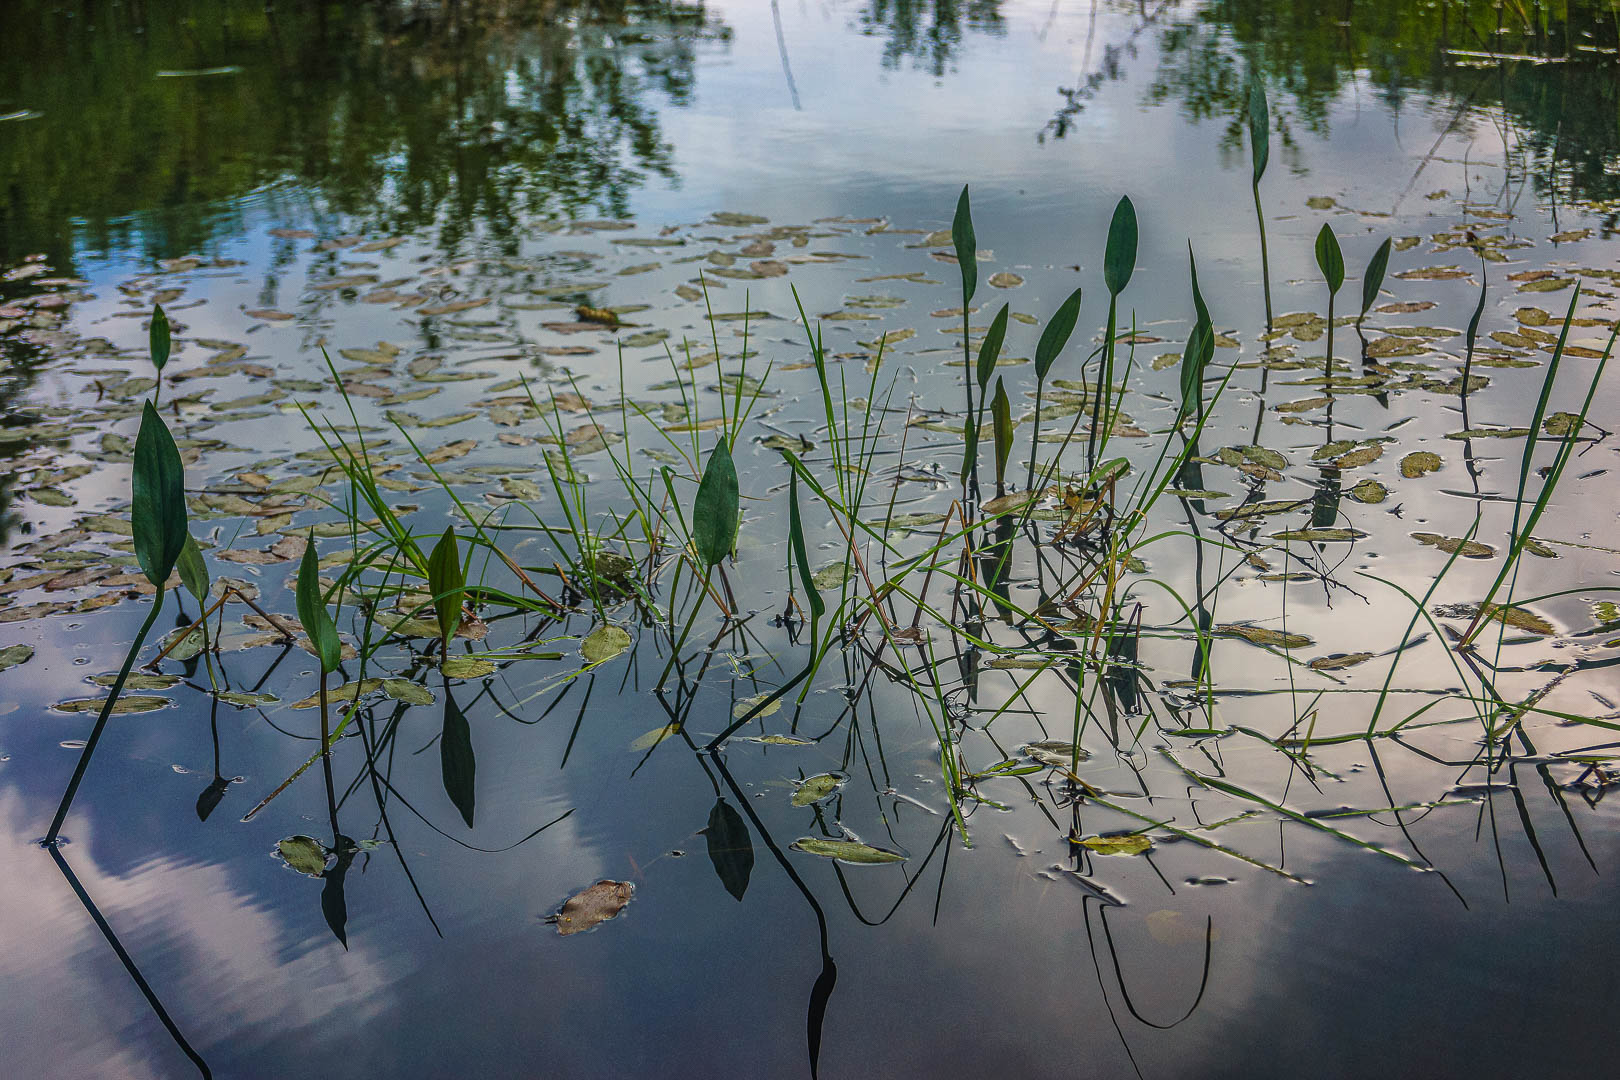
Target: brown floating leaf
x=592, y=907
x=1127, y=844
x=1471, y=549
x=1339, y=660
x=1418, y=462
x=1260, y=635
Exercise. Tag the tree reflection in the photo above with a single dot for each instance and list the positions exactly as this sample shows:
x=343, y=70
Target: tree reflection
x=448, y=116
x=1534, y=62
x=928, y=33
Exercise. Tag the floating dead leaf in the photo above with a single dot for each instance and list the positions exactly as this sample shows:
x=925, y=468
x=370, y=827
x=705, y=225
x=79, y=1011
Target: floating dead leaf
x=592, y=907
x=1055, y=753
x=604, y=643
x=12, y=655
x=347, y=692
x=244, y=699
x=1006, y=279
x=1418, y=462
x=466, y=666
x=1509, y=614
x=1369, y=491
x=1123, y=844
x=411, y=693
x=1002, y=504
x=1336, y=661
x=775, y=740
x=818, y=788
x=127, y=703
x=304, y=854
x=1320, y=536
x=850, y=851
x=1264, y=636
x=1471, y=549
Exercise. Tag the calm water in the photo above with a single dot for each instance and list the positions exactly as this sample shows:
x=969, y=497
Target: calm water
x=329, y=175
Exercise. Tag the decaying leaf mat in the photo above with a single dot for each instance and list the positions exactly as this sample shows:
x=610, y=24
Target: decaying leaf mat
x=592, y=907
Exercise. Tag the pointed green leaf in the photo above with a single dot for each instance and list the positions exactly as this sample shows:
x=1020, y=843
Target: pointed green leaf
x=1119, y=258
x=967, y=251
x=1479, y=310
x=1200, y=349
x=1056, y=334
x=730, y=848
x=716, y=508
x=193, y=570
x=312, y=611
x=970, y=447
x=1001, y=414
x=1329, y=258
x=158, y=510
x=158, y=339
x=1373, y=279
x=447, y=583
x=818, y=606
x=456, y=761
x=990, y=348
x=1259, y=128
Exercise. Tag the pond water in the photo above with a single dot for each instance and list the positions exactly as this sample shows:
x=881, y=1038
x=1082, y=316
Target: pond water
x=1283, y=752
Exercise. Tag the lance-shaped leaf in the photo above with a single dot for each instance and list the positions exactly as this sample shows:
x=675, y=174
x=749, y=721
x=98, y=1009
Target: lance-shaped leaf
x=158, y=508
x=312, y=611
x=1001, y=415
x=1259, y=127
x=730, y=847
x=1373, y=279
x=970, y=448
x=1479, y=310
x=447, y=583
x=1119, y=257
x=1329, y=258
x=716, y=508
x=456, y=761
x=193, y=570
x=158, y=338
x=801, y=559
x=1056, y=334
x=967, y=251
x=990, y=348
x=1199, y=351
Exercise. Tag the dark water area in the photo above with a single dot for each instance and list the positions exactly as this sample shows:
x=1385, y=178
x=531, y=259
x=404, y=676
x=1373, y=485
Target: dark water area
x=1225, y=879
